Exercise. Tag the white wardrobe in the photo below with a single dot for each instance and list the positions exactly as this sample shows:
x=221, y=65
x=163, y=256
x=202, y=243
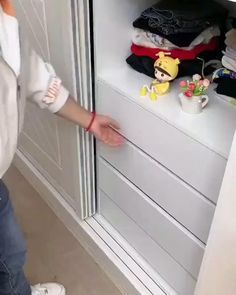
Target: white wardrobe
x=160, y=190
x=148, y=207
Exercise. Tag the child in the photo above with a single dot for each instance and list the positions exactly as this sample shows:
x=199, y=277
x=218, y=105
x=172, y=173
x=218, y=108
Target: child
x=23, y=75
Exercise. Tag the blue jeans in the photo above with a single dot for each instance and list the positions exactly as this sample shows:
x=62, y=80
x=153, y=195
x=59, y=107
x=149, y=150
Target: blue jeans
x=12, y=250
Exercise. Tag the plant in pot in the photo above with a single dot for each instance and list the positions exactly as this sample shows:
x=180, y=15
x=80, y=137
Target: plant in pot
x=193, y=96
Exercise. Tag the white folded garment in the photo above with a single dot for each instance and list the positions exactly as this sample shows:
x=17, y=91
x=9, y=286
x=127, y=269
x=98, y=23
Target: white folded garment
x=229, y=63
x=146, y=39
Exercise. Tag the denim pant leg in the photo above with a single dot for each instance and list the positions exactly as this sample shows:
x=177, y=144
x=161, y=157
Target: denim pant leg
x=12, y=250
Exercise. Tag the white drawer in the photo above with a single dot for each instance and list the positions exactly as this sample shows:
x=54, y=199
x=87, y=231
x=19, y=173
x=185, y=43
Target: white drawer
x=194, y=163
x=165, y=265
x=185, y=248
x=173, y=195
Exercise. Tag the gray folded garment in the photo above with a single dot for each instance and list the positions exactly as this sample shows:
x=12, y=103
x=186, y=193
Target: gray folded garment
x=230, y=40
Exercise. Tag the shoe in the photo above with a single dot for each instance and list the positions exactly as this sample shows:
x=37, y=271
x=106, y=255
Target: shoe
x=143, y=91
x=48, y=289
x=153, y=96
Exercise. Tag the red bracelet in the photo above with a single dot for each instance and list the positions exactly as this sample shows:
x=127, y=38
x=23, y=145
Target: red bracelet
x=91, y=122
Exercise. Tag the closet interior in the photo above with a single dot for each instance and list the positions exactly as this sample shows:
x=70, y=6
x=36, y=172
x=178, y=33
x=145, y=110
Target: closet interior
x=159, y=192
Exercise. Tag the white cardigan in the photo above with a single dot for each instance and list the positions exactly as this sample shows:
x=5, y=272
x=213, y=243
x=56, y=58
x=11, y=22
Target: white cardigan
x=23, y=75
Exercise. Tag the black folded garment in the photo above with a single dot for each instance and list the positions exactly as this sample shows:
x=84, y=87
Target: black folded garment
x=234, y=23
x=142, y=64
x=226, y=86
x=145, y=65
x=181, y=21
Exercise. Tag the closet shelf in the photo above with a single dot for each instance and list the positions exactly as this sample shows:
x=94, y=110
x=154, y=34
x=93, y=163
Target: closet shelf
x=214, y=127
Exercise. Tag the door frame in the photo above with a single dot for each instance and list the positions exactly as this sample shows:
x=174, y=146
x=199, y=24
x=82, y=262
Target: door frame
x=218, y=271
x=83, y=54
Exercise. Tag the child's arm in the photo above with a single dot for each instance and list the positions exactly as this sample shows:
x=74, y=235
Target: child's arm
x=101, y=126
x=46, y=90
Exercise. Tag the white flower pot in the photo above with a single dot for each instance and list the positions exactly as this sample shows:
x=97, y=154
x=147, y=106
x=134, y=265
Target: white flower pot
x=194, y=104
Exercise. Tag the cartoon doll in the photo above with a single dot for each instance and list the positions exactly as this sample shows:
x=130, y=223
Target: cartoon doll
x=166, y=70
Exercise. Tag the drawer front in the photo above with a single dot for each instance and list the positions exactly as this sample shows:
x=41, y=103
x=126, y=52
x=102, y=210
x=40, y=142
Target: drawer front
x=163, y=229
x=173, y=273
x=173, y=195
x=194, y=163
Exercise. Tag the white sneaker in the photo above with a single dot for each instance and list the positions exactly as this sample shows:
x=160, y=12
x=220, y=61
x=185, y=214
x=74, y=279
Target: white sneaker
x=48, y=289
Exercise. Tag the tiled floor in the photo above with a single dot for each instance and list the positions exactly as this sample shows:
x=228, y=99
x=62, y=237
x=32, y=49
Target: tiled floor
x=54, y=254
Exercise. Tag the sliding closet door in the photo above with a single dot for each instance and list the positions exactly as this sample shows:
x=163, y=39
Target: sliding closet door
x=218, y=270
x=59, y=150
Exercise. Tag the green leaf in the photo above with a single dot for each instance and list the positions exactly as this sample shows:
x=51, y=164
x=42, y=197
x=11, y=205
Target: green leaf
x=197, y=93
x=184, y=88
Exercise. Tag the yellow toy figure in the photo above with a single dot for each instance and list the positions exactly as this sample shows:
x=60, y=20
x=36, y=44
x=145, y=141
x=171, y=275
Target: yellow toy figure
x=166, y=70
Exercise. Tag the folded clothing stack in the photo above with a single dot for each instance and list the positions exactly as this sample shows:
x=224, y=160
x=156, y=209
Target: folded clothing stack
x=226, y=79
x=229, y=58
x=184, y=28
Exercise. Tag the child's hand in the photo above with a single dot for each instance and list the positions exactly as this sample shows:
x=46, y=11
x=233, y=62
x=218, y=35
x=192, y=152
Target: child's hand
x=104, y=129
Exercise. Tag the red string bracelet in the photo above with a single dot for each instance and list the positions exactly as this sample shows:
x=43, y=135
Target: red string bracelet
x=91, y=122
